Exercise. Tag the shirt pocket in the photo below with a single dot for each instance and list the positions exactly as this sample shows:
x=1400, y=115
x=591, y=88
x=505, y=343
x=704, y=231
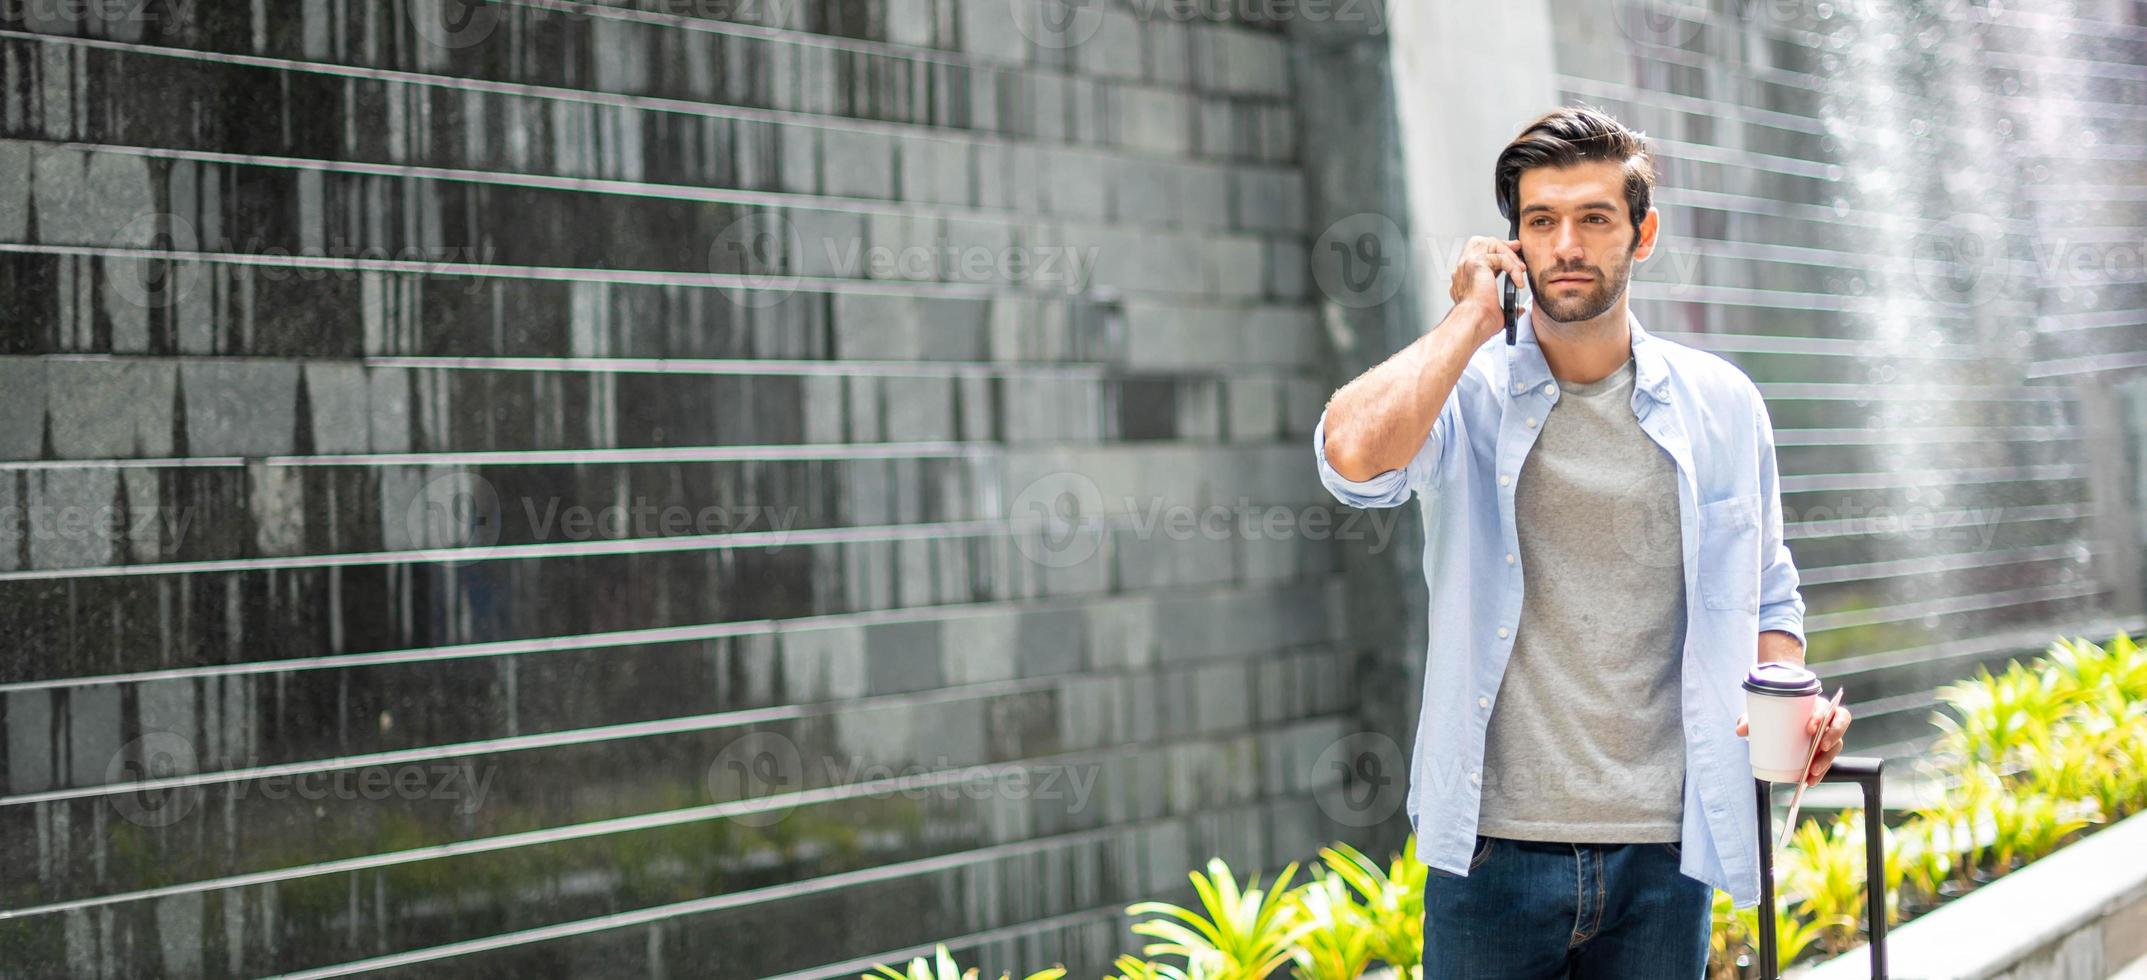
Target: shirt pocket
x=1729, y=553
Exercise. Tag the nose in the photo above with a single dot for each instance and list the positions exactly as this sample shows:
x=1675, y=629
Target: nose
x=1566, y=245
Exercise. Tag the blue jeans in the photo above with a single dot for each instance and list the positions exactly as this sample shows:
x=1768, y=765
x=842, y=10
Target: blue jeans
x=1531, y=910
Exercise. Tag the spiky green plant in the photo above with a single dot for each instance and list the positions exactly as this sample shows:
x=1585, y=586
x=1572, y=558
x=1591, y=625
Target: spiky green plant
x=1132, y=967
x=942, y=967
x=1236, y=934
x=1337, y=945
x=1992, y=714
x=2085, y=673
x=1393, y=898
x=1727, y=942
x=1827, y=878
x=2026, y=826
x=1734, y=941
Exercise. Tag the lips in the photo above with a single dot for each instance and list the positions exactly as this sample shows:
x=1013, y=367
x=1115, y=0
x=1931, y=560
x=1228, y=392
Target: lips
x=1572, y=279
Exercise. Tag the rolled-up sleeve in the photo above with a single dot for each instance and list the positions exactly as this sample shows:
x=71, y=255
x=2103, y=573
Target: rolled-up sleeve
x=1781, y=605
x=1388, y=489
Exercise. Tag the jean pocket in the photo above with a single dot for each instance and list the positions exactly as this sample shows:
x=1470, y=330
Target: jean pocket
x=1676, y=850
x=1483, y=852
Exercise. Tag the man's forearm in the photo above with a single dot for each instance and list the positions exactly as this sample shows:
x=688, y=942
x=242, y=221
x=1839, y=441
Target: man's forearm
x=1379, y=421
x=1778, y=646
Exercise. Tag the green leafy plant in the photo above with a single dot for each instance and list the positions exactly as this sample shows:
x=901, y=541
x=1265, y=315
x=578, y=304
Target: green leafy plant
x=1932, y=832
x=1132, y=967
x=1734, y=942
x=1826, y=881
x=942, y=968
x=1991, y=714
x=1337, y=943
x=1728, y=942
x=1393, y=899
x=2089, y=674
x=1960, y=821
x=1792, y=933
x=1914, y=865
x=1237, y=934
x=2026, y=827
x=2119, y=787
x=2065, y=767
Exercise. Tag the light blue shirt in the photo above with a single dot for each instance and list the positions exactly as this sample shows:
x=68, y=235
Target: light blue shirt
x=1739, y=580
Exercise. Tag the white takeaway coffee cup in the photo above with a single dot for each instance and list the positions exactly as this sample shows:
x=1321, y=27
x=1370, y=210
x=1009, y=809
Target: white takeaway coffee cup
x=1779, y=700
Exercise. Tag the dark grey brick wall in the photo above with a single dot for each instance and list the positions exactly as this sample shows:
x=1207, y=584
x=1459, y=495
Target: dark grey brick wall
x=532, y=490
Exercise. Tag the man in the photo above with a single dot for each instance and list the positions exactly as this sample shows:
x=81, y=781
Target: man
x=1603, y=546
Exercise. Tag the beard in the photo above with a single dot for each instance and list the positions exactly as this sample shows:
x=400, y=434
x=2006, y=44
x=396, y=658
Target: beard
x=1568, y=305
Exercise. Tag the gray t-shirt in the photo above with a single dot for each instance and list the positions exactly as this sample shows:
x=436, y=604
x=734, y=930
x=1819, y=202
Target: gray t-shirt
x=1586, y=740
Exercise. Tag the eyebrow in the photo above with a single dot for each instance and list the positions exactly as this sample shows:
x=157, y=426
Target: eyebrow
x=1590, y=206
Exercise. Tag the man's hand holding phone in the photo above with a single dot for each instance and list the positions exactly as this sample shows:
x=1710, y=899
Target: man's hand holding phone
x=1379, y=422
x=1476, y=280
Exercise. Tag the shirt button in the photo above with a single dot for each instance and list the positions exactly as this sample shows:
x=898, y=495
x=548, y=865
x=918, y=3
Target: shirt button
x=1476, y=777
x=1531, y=422
x=1547, y=388
x=1509, y=558
x=1483, y=702
x=1503, y=479
x=1502, y=632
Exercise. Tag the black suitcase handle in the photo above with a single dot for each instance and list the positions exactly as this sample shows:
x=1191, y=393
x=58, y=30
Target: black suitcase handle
x=1863, y=771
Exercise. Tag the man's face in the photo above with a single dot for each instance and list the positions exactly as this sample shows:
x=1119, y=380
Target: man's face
x=1578, y=239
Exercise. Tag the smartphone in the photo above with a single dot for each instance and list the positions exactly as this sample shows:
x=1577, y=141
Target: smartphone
x=1513, y=234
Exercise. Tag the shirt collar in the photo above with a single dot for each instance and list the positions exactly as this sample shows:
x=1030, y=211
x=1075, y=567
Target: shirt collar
x=1526, y=366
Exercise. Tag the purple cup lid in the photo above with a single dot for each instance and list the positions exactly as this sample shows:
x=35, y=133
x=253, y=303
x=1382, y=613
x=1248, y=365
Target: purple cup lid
x=1781, y=680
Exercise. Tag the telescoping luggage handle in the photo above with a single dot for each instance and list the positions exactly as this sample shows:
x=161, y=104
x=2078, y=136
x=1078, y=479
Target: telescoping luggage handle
x=1864, y=772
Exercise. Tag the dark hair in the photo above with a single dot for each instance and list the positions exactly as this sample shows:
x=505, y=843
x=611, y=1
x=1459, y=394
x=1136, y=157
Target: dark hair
x=1573, y=134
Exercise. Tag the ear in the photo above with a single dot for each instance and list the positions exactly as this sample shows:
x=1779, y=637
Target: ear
x=1649, y=227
